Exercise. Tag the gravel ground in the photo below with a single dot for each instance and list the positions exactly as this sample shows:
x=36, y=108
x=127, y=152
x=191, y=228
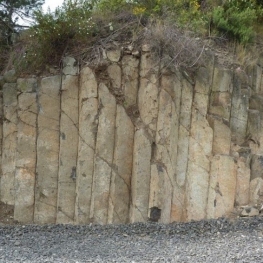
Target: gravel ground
x=205, y=241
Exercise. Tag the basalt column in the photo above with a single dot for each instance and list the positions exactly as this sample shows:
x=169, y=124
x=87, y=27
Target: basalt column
x=47, y=150
x=88, y=126
x=7, y=189
x=68, y=150
x=26, y=151
x=104, y=152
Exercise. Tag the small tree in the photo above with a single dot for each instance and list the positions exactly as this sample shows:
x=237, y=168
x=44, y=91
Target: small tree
x=11, y=13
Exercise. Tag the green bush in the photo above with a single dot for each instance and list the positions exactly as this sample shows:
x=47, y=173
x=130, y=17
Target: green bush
x=54, y=32
x=91, y=24
x=236, y=19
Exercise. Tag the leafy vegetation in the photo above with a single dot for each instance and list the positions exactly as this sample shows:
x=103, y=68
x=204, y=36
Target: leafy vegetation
x=85, y=26
x=13, y=11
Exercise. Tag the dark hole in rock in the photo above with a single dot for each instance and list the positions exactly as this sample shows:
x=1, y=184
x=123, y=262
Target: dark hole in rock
x=155, y=214
x=63, y=136
x=248, y=209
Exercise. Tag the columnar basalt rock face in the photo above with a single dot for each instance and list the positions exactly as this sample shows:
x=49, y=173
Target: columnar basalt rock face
x=9, y=144
x=200, y=150
x=148, y=92
x=242, y=182
x=68, y=150
x=104, y=152
x=47, y=150
x=222, y=186
x=130, y=80
x=141, y=175
x=26, y=152
x=119, y=199
x=88, y=125
x=131, y=141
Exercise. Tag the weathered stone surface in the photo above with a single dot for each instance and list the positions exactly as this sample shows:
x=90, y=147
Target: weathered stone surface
x=239, y=110
x=26, y=158
x=220, y=104
x=140, y=183
x=222, y=136
x=88, y=124
x=178, y=211
x=114, y=55
x=255, y=124
x=114, y=72
x=130, y=79
x=254, y=77
x=254, y=134
x=88, y=84
x=10, y=76
x=27, y=85
x=172, y=157
x=7, y=190
x=222, y=80
x=256, y=191
x=203, y=81
x=184, y=132
x=2, y=82
x=68, y=150
x=70, y=66
x=242, y=184
x=256, y=166
x=165, y=153
x=87, y=135
x=249, y=211
x=146, y=48
x=256, y=102
x=119, y=201
x=200, y=150
x=47, y=151
x=156, y=186
x=148, y=92
x=148, y=103
x=222, y=186
x=103, y=156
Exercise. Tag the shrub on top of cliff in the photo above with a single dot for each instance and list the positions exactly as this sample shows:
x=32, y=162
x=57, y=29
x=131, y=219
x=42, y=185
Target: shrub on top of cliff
x=174, y=47
x=236, y=19
x=185, y=13
x=53, y=33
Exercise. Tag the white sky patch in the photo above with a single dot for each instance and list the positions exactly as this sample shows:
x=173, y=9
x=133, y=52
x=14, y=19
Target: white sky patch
x=52, y=4
x=48, y=3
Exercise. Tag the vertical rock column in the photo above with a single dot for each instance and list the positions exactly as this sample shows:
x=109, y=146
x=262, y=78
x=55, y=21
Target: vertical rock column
x=239, y=109
x=222, y=187
x=178, y=203
x=130, y=79
x=148, y=92
x=47, y=150
x=103, y=156
x=9, y=143
x=119, y=201
x=88, y=125
x=163, y=168
x=68, y=150
x=141, y=174
x=26, y=151
x=200, y=149
x=144, y=139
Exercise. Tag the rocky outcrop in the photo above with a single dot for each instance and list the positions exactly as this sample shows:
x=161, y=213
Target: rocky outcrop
x=131, y=141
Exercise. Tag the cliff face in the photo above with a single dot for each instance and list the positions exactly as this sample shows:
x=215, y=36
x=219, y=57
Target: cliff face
x=130, y=141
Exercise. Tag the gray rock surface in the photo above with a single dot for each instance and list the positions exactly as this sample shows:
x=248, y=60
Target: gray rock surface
x=204, y=241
